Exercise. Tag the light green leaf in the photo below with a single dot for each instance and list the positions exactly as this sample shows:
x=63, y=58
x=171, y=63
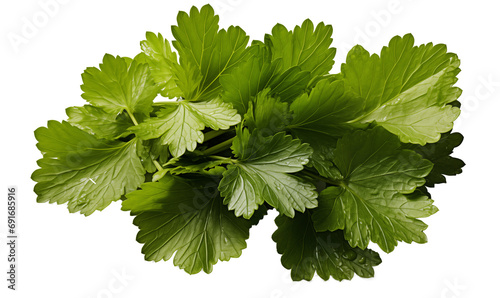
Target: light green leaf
x=407, y=89
x=370, y=203
x=306, y=47
x=188, y=78
x=186, y=217
x=212, y=51
x=119, y=86
x=306, y=251
x=160, y=58
x=177, y=126
x=99, y=123
x=180, y=124
x=83, y=171
x=262, y=173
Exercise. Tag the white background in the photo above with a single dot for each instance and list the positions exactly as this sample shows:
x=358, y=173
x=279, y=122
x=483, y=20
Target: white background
x=68, y=255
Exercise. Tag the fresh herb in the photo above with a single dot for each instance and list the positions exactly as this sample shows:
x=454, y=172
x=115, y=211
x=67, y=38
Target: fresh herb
x=346, y=159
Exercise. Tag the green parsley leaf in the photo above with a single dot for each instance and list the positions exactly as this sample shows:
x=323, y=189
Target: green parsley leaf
x=188, y=78
x=306, y=47
x=83, y=171
x=151, y=150
x=262, y=173
x=370, y=202
x=160, y=59
x=119, y=86
x=267, y=114
x=326, y=111
x=186, y=217
x=407, y=90
x=258, y=73
x=306, y=251
x=290, y=84
x=213, y=51
x=249, y=78
x=159, y=151
x=99, y=123
x=180, y=124
x=324, y=115
x=143, y=151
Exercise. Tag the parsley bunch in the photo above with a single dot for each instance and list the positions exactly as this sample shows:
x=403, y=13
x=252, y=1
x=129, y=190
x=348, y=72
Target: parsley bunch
x=346, y=159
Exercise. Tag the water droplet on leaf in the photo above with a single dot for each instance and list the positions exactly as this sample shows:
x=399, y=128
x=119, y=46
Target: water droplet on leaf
x=349, y=255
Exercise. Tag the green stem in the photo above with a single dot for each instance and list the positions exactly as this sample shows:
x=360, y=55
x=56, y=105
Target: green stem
x=165, y=103
x=213, y=134
x=321, y=178
x=157, y=165
x=171, y=161
x=218, y=148
x=226, y=159
x=132, y=117
x=155, y=162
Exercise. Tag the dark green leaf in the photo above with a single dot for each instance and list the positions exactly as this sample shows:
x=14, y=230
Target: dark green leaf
x=186, y=217
x=439, y=154
x=306, y=251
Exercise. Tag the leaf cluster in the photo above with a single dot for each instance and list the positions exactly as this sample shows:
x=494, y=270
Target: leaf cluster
x=200, y=137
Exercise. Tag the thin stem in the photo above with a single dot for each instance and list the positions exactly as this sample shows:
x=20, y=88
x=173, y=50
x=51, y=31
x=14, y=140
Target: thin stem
x=132, y=117
x=165, y=103
x=226, y=159
x=218, y=148
x=155, y=162
x=213, y=134
x=171, y=161
x=157, y=165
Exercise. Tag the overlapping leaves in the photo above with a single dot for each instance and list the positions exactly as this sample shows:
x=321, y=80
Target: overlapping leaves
x=407, y=89
x=180, y=124
x=83, y=171
x=346, y=159
x=370, y=201
x=186, y=216
x=306, y=251
x=262, y=173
